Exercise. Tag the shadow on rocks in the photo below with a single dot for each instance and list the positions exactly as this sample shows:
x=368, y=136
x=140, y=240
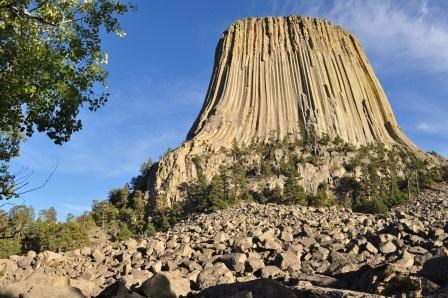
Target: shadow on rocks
x=118, y=289
x=386, y=279
x=259, y=288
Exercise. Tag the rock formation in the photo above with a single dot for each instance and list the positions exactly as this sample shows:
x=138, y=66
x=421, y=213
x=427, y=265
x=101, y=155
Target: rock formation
x=279, y=78
x=286, y=77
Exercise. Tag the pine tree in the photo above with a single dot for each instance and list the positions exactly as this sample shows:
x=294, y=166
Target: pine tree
x=293, y=192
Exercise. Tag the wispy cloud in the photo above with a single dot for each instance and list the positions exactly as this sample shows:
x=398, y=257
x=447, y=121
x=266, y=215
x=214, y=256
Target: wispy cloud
x=73, y=208
x=439, y=128
x=409, y=33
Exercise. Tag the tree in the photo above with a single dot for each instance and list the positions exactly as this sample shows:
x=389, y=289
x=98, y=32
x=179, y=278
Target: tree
x=293, y=192
x=119, y=196
x=321, y=198
x=217, y=194
x=138, y=205
x=104, y=212
x=48, y=215
x=20, y=218
x=51, y=65
x=70, y=217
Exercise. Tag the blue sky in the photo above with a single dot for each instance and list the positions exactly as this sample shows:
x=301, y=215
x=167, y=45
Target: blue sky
x=160, y=71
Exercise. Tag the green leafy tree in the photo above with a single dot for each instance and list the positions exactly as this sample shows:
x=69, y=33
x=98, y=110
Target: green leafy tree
x=51, y=65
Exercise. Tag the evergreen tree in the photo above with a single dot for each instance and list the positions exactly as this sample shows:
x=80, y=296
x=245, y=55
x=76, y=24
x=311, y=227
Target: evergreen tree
x=293, y=192
x=119, y=197
x=321, y=198
x=103, y=212
x=216, y=194
x=138, y=205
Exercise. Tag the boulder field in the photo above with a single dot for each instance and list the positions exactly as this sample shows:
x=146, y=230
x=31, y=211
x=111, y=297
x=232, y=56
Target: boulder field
x=254, y=250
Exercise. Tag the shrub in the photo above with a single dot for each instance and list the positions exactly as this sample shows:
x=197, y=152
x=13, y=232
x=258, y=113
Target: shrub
x=372, y=206
x=321, y=198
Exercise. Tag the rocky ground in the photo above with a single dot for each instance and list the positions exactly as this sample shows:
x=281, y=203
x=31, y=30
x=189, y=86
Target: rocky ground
x=311, y=252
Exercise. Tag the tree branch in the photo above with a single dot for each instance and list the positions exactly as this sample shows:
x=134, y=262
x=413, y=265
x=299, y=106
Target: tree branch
x=43, y=184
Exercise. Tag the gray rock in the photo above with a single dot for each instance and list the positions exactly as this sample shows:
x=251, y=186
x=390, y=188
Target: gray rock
x=131, y=244
x=166, y=285
x=253, y=264
x=371, y=248
x=215, y=275
x=220, y=237
x=270, y=271
x=417, y=250
x=263, y=288
x=98, y=256
x=235, y=261
x=242, y=244
x=387, y=247
x=405, y=261
x=288, y=260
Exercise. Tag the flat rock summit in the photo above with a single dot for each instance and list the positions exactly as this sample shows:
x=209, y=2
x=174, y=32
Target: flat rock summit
x=281, y=78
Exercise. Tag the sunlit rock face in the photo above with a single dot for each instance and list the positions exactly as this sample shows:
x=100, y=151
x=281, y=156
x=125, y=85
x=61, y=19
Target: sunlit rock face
x=278, y=78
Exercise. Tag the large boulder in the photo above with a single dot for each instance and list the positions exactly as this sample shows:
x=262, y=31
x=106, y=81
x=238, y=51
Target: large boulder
x=260, y=288
x=215, y=275
x=436, y=270
x=166, y=285
x=39, y=285
x=7, y=267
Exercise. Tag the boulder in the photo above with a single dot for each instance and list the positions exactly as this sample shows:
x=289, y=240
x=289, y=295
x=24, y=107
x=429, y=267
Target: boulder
x=288, y=260
x=166, y=285
x=388, y=247
x=98, y=256
x=234, y=261
x=436, y=270
x=7, y=267
x=215, y=275
x=253, y=264
x=261, y=288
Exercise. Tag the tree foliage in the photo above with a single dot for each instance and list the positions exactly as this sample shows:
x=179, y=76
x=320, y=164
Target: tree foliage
x=19, y=232
x=51, y=65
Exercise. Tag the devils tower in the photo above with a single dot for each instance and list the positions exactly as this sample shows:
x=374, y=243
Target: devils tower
x=277, y=78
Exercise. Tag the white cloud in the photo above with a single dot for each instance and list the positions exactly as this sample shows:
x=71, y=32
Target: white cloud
x=71, y=208
x=438, y=128
x=409, y=33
